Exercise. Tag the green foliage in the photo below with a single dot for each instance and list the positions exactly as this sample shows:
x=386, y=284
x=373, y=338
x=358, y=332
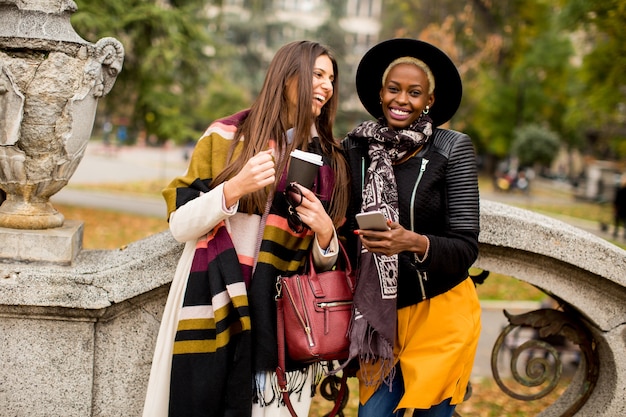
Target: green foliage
x=519, y=60
x=494, y=116
x=602, y=94
x=534, y=145
x=531, y=83
x=165, y=62
x=542, y=76
x=220, y=101
x=513, y=58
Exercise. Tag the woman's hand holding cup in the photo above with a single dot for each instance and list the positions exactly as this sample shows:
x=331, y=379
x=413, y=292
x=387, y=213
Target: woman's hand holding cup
x=257, y=173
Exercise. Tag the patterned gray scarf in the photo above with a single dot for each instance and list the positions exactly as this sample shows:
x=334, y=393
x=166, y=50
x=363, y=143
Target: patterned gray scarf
x=374, y=325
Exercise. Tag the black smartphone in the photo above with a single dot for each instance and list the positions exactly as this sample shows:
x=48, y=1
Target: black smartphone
x=372, y=220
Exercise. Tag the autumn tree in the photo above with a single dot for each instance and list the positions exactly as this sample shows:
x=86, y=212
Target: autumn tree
x=513, y=60
x=535, y=146
x=170, y=65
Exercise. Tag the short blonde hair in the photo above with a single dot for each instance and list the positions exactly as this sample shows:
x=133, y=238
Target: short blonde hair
x=418, y=63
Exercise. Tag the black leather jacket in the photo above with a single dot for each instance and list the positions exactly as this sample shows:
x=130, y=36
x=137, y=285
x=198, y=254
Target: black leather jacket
x=439, y=186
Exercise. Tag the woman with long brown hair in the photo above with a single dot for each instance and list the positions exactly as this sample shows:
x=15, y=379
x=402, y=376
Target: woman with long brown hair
x=216, y=351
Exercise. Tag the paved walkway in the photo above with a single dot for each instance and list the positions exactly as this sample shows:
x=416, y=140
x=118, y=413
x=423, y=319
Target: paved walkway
x=103, y=165
x=106, y=165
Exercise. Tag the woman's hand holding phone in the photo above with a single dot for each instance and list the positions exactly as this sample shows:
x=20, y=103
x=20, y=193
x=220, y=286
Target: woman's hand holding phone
x=372, y=220
x=378, y=235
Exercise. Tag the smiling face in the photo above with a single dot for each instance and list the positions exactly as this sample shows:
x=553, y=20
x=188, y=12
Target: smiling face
x=404, y=95
x=323, y=86
x=323, y=83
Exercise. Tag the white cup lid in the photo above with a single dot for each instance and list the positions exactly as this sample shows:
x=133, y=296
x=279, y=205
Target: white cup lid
x=307, y=156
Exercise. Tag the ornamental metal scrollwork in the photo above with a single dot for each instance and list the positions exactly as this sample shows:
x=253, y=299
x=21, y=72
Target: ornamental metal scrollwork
x=330, y=389
x=546, y=371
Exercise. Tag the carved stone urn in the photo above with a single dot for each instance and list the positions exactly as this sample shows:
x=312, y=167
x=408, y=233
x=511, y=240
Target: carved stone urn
x=50, y=83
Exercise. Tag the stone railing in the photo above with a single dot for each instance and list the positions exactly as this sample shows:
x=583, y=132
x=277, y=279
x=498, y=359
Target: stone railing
x=78, y=340
x=588, y=276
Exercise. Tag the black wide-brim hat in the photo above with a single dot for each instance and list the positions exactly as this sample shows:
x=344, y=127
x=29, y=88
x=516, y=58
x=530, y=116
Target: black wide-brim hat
x=448, y=87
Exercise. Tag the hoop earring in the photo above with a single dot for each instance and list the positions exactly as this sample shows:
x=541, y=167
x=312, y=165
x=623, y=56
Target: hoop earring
x=426, y=110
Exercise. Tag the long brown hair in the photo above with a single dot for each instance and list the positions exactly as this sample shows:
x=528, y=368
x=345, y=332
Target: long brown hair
x=269, y=119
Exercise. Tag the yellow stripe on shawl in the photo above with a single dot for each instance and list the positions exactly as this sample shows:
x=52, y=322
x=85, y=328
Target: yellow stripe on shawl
x=228, y=304
x=240, y=301
x=282, y=264
x=221, y=313
x=207, y=160
x=209, y=346
x=196, y=324
x=193, y=346
x=209, y=323
x=277, y=230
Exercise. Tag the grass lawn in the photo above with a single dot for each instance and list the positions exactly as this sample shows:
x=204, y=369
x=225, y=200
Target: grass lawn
x=104, y=229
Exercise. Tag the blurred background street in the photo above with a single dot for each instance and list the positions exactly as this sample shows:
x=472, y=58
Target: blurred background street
x=109, y=165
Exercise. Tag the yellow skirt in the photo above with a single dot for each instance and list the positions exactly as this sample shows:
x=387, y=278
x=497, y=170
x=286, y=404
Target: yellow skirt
x=435, y=345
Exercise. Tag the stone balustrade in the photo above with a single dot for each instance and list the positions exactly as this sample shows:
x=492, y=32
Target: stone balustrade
x=584, y=271
x=78, y=340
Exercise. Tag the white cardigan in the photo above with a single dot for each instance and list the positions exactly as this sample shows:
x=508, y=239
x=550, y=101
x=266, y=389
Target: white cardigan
x=187, y=224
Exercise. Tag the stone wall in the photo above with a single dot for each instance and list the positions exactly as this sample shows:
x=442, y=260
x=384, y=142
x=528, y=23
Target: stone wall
x=77, y=340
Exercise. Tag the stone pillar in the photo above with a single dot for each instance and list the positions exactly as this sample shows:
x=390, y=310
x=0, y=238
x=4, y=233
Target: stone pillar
x=50, y=83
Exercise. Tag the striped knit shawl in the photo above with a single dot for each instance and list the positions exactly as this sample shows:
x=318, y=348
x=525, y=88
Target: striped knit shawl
x=227, y=329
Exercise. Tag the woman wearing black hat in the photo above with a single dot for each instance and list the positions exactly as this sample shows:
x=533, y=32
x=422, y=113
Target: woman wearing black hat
x=417, y=317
